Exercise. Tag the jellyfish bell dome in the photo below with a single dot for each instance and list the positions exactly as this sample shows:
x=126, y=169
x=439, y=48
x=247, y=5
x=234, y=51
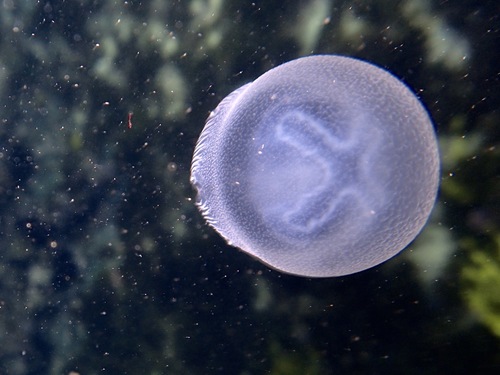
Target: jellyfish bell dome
x=323, y=166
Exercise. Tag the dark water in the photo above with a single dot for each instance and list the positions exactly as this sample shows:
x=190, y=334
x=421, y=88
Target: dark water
x=106, y=266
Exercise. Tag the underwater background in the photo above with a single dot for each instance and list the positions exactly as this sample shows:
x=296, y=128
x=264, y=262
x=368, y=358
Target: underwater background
x=106, y=265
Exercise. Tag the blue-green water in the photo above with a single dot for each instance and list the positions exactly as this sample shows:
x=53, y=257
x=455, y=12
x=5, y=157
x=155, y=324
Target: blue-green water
x=106, y=266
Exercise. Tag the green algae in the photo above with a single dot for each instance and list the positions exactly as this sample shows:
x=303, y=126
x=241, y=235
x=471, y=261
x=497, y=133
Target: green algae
x=481, y=279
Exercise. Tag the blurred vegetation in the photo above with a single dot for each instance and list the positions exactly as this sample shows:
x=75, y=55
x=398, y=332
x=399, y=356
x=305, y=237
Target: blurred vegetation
x=294, y=362
x=471, y=187
x=481, y=279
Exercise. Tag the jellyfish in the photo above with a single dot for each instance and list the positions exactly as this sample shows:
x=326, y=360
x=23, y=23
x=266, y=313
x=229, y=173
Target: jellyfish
x=323, y=166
